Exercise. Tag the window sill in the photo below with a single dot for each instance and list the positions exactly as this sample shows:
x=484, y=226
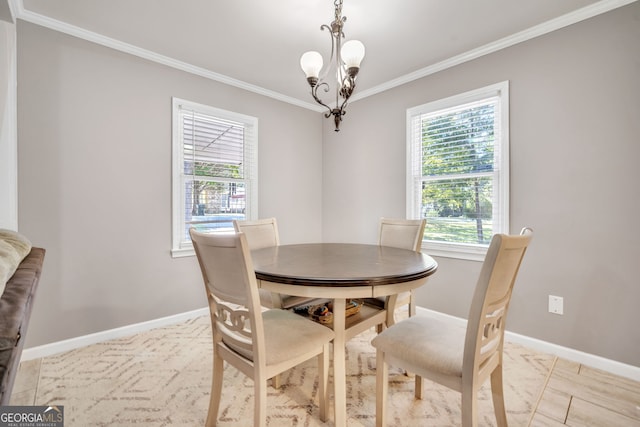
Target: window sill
x=456, y=251
x=182, y=252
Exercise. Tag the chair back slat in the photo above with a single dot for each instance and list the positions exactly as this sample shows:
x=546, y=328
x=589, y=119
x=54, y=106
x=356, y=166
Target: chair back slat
x=491, y=329
x=234, y=327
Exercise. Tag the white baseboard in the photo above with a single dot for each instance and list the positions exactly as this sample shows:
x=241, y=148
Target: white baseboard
x=125, y=331
x=612, y=366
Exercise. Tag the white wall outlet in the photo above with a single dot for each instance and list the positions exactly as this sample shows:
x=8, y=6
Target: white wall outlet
x=555, y=304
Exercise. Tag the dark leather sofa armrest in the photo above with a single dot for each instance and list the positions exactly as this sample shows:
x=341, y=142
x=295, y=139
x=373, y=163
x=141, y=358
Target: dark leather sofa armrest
x=15, y=311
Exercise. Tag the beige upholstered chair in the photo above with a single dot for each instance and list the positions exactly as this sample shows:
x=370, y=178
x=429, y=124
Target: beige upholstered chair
x=263, y=233
x=404, y=234
x=450, y=354
x=259, y=344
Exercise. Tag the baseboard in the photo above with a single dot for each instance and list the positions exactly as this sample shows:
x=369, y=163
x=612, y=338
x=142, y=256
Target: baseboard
x=82, y=341
x=612, y=366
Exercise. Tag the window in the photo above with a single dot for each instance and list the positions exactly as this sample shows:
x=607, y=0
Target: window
x=458, y=170
x=214, y=170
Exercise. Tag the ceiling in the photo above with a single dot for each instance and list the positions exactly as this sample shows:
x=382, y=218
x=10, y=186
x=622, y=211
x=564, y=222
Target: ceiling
x=258, y=43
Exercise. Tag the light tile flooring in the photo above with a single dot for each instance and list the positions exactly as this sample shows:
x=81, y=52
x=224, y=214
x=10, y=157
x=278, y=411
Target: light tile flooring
x=26, y=383
x=575, y=395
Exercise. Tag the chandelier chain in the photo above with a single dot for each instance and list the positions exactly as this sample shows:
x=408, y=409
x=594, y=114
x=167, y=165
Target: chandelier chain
x=338, y=8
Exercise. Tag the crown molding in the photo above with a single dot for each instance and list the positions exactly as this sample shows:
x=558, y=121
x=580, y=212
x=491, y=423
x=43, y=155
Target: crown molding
x=571, y=18
x=10, y=12
x=118, y=45
x=505, y=42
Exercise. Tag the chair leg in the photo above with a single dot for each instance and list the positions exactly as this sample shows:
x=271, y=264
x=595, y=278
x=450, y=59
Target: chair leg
x=391, y=304
x=382, y=388
x=469, y=407
x=412, y=305
x=418, y=390
x=216, y=390
x=323, y=380
x=276, y=382
x=260, y=408
x=497, y=394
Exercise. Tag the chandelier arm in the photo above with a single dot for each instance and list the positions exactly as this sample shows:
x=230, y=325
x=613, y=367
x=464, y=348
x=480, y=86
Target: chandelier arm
x=331, y=36
x=336, y=43
x=343, y=105
x=346, y=89
x=314, y=93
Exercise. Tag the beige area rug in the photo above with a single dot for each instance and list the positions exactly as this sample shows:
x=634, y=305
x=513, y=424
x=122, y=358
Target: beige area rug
x=162, y=378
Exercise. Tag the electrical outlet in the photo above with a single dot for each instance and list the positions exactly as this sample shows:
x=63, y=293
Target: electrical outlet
x=555, y=304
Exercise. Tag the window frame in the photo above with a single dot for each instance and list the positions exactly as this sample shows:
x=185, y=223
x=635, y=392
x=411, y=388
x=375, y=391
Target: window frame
x=469, y=251
x=180, y=247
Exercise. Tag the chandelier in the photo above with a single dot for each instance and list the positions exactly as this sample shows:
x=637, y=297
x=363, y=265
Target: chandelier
x=345, y=61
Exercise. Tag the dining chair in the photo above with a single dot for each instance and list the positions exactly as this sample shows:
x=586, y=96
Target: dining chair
x=259, y=344
x=263, y=233
x=403, y=234
x=444, y=351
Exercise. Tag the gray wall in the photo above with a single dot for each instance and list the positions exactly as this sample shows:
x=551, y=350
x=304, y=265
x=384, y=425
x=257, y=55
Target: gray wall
x=575, y=121
x=95, y=180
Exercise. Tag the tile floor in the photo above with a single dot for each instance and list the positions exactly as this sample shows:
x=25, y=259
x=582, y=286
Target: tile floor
x=26, y=383
x=577, y=395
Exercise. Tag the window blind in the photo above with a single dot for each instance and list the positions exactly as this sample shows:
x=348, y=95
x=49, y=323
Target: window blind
x=459, y=140
x=212, y=147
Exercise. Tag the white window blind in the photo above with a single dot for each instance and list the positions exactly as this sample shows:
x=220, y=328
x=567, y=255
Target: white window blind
x=458, y=170
x=215, y=170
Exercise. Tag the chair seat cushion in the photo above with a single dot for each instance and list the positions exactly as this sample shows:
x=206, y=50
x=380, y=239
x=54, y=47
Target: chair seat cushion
x=433, y=344
x=288, y=335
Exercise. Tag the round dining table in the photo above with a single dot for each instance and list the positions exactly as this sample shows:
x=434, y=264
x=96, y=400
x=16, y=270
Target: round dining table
x=341, y=271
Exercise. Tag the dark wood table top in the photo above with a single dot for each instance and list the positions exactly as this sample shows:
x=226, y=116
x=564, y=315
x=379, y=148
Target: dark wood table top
x=340, y=264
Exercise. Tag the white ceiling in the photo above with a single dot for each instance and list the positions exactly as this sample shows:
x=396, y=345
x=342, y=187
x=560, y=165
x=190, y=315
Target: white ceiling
x=259, y=42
